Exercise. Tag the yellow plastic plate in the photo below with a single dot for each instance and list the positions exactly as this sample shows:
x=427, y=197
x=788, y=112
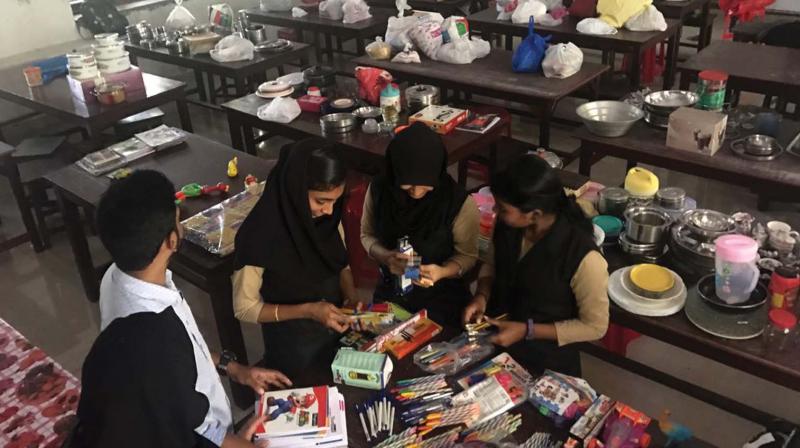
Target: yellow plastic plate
x=652, y=278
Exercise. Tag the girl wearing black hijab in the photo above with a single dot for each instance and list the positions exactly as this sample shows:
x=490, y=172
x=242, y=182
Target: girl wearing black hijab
x=547, y=271
x=292, y=274
x=416, y=197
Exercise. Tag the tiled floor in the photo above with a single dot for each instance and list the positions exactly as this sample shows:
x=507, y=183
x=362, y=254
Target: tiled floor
x=42, y=298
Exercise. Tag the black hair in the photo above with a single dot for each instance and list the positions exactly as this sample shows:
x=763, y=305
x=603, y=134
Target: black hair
x=326, y=169
x=529, y=184
x=135, y=216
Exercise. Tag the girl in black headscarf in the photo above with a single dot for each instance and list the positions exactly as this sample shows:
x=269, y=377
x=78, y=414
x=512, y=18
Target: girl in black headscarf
x=416, y=197
x=292, y=274
x=546, y=270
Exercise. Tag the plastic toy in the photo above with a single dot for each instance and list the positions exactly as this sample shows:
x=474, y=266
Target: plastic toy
x=233, y=167
x=675, y=432
x=625, y=428
x=251, y=183
x=194, y=190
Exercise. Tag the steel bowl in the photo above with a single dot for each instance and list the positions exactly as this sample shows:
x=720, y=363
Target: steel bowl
x=362, y=113
x=664, y=102
x=609, y=118
x=760, y=145
x=339, y=123
x=671, y=197
x=708, y=225
x=647, y=225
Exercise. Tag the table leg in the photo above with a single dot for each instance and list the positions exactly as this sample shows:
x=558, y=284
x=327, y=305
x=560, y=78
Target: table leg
x=249, y=141
x=360, y=46
x=672, y=59
x=235, y=128
x=585, y=162
x=685, y=80
x=212, y=88
x=201, y=85
x=317, y=49
x=329, y=47
x=630, y=164
x=23, y=204
x=80, y=247
x=183, y=113
x=509, y=42
x=705, y=37
x=241, y=86
x=544, y=125
x=635, y=70
x=230, y=333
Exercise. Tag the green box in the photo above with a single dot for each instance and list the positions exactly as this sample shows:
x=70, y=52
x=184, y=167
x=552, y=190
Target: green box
x=361, y=369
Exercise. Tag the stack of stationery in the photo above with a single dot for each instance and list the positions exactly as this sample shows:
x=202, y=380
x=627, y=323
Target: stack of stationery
x=306, y=417
x=125, y=152
x=495, y=395
x=417, y=397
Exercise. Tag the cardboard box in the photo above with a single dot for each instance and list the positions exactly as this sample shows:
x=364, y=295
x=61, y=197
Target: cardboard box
x=442, y=119
x=696, y=130
x=132, y=78
x=361, y=369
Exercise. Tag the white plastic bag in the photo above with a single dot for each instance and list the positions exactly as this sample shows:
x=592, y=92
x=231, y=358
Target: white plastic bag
x=548, y=20
x=402, y=7
x=276, y=5
x=179, y=18
x=552, y=4
x=355, y=11
x=427, y=37
x=397, y=31
x=527, y=9
x=407, y=56
x=298, y=12
x=331, y=9
x=279, y=110
x=505, y=9
x=650, y=19
x=463, y=50
x=592, y=25
x=232, y=48
x=562, y=60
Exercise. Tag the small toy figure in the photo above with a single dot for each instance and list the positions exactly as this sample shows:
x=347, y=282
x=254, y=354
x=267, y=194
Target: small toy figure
x=194, y=190
x=675, y=432
x=251, y=183
x=233, y=167
x=625, y=428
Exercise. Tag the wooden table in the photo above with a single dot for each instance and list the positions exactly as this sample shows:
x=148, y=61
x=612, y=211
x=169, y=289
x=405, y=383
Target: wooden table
x=363, y=152
x=365, y=29
x=56, y=99
x=492, y=76
x=754, y=30
x=625, y=41
x=243, y=73
x=446, y=8
x=682, y=10
x=754, y=68
x=198, y=160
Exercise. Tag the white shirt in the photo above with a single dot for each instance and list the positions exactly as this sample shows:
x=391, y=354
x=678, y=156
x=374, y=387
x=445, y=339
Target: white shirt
x=122, y=295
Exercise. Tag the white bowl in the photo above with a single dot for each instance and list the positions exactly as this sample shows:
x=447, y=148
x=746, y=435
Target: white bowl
x=117, y=65
x=83, y=59
x=106, y=38
x=106, y=52
x=84, y=73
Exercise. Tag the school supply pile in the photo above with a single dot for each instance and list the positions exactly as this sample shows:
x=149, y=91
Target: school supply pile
x=561, y=397
x=377, y=417
x=494, y=430
x=417, y=397
x=305, y=417
x=454, y=355
x=122, y=153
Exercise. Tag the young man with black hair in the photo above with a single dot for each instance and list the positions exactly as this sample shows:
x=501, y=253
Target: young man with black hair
x=150, y=379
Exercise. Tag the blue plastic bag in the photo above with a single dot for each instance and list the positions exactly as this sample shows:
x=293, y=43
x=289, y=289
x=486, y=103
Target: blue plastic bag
x=529, y=54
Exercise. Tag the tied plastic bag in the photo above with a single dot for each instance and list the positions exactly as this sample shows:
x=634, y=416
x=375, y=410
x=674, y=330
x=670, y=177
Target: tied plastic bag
x=370, y=83
x=650, y=19
x=276, y=5
x=232, y=48
x=279, y=110
x=379, y=50
x=298, y=12
x=617, y=12
x=355, y=11
x=331, y=9
x=528, y=56
x=397, y=31
x=594, y=26
x=553, y=4
x=548, y=20
x=505, y=9
x=528, y=9
x=427, y=37
x=179, y=18
x=562, y=60
x=454, y=28
x=407, y=56
x=463, y=50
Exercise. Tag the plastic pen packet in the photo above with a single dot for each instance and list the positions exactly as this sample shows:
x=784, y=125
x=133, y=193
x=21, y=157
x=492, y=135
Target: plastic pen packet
x=453, y=356
x=495, y=395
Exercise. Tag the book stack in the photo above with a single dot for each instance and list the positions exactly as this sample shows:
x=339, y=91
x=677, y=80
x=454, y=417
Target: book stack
x=305, y=417
x=122, y=153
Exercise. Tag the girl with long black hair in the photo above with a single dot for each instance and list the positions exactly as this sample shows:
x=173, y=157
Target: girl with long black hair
x=547, y=271
x=292, y=275
x=415, y=197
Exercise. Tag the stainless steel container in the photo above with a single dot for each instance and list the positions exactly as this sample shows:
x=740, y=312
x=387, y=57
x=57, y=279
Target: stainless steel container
x=708, y=225
x=421, y=96
x=133, y=34
x=613, y=201
x=659, y=105
x=609, y=118
x=338, y=123
x=646, y=225
x=256, y=34
x=671, y=198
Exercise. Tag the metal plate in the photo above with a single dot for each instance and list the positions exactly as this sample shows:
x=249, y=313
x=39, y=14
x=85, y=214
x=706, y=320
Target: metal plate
x=738, y=148
x=707, y=290
x=737, y=325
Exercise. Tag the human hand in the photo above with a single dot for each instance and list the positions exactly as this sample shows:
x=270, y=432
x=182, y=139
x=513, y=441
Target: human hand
x=397, y=262
x=429, y=274
x=257, y=378
x=246, y=433
x=329, y=315
x=473, y=312
x=508, y=332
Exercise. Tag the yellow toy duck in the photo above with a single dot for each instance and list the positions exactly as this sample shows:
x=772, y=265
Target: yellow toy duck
x=233, y=167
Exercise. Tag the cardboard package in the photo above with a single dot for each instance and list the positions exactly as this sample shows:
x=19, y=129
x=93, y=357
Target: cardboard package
x=132, y=78
x=442, y=119
x=362, y=369
x=696, y=130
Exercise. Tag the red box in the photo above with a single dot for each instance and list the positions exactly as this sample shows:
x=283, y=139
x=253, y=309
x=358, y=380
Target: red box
x=310, y=103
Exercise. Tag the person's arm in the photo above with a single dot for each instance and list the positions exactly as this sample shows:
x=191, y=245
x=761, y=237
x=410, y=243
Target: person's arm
x=348, y=287
x=483, y=292
x=590, y=286
x=394, y=260
x=465, y=246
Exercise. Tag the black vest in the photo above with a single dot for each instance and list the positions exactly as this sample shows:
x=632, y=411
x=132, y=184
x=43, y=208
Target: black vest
x=538, y=287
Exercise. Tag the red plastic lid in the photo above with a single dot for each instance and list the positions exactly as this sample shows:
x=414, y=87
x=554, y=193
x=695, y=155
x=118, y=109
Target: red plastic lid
x=782, y=319
x=713, y=75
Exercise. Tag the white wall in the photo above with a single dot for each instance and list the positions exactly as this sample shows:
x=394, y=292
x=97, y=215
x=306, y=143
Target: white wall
x=32, y=24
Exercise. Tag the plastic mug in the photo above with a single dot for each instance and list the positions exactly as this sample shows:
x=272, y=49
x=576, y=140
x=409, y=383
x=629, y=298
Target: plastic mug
x=736, y=271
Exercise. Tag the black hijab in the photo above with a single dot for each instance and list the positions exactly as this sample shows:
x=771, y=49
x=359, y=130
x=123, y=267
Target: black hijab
x=280, y=234
x=416, y=156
